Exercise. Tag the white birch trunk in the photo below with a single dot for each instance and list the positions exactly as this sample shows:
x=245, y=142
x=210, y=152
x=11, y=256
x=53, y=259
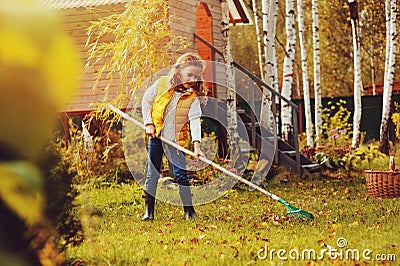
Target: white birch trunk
x=229, y=75
x=357, y=86
x=266, y=115
x=260, y=45
x=304, y=69
x=265, y=18
x=393, y=44
x=288, y=68
x=317, y=72
x=387, y=15
x=271, y=67
x=373, y=69
x=389, y=75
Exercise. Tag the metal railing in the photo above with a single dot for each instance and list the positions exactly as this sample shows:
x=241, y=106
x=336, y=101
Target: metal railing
x=274, y=95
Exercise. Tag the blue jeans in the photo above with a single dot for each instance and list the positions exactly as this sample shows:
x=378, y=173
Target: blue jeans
x=156, y=149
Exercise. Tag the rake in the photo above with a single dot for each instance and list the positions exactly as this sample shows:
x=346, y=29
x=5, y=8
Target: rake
x=292, y=211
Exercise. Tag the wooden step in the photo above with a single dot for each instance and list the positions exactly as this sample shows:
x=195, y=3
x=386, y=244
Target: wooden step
x=311, y=167
x=290, y=153
x=256, y=124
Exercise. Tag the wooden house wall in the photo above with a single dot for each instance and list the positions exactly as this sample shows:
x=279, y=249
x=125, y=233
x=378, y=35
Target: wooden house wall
x=183, y=19
x=75, y=22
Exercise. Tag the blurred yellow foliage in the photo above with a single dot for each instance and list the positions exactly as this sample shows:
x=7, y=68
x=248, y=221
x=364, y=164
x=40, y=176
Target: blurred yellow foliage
x=39, y=72
x=20, y=187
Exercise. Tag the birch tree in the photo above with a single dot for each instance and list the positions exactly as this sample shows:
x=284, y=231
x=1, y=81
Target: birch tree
x=288, y=67
x=388, y=41
x=317, y=72
x=304, y=69
x=391, y=45
x=229, y=74
x=357, y=73
x=265, y=12
x=266, y=115
x=259, y=43
x=271, y=67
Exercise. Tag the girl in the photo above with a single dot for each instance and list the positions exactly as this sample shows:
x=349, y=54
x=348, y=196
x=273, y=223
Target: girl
x=169, y=107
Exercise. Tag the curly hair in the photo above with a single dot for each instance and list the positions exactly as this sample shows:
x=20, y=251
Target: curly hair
x=188, y=59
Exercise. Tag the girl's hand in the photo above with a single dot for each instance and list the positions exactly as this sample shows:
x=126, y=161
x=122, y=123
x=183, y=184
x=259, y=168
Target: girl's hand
x=150, y=130
x=197, y=150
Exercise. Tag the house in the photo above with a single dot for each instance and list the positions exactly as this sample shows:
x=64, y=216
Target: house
x=188, y=17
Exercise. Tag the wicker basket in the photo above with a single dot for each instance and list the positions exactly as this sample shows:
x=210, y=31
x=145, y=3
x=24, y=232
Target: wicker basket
x=383, y=184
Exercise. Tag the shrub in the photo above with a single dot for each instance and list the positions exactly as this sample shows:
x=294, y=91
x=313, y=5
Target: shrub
x=60, y=194
x=98, y=159
x=335, y=151
x=396, y=119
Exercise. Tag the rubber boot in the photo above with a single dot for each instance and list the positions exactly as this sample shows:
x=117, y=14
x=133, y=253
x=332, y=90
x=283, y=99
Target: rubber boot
x=149, y=207
x=186, y=197
x=190, y=214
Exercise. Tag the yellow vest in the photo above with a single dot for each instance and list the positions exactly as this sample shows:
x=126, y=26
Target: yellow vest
x=163, y=96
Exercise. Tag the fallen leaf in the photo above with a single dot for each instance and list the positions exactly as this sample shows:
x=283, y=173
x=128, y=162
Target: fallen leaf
x=264, y=224
x=211, y=226
x=235, y=253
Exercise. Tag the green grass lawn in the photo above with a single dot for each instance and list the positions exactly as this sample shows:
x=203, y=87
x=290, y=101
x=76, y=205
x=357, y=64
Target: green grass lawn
x=242, y=228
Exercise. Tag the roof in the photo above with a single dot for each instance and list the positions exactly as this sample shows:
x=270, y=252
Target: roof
x=66, y=4
x=238, y=12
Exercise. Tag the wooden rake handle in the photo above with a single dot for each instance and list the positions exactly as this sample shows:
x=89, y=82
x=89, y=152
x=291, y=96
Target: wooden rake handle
x=189, y=152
